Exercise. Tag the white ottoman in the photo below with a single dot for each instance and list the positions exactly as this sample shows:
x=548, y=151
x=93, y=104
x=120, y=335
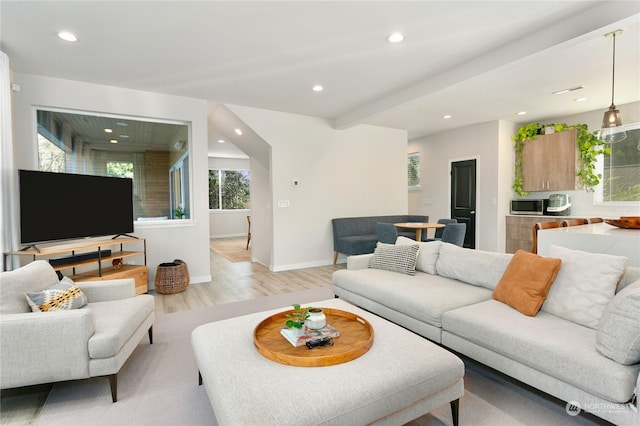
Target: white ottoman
x=402, y=377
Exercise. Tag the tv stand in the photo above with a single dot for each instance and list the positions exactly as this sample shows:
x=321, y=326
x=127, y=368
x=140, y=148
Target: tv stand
x=130, y=263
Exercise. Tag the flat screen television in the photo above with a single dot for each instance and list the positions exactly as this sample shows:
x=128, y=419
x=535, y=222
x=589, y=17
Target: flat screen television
x=60, y=206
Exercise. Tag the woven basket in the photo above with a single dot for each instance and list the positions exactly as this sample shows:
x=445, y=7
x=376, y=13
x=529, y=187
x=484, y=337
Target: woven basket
x=172, y=277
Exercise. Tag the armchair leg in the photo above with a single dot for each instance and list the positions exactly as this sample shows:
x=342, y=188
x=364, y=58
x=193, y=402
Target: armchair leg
x=150, y=335
x=199, y=378
x=455, y=409
x=113, y=381
x=335, y=257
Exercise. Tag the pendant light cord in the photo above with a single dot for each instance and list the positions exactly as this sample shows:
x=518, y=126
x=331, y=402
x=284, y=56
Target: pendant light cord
x=613, y=76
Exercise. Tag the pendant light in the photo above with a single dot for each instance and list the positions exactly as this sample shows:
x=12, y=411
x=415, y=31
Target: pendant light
x=612, y=130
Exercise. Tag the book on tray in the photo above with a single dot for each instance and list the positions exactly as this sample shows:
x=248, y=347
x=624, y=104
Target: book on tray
x=326, y=331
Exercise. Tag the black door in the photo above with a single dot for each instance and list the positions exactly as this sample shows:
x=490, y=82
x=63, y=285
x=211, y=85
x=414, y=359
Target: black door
x=463, y=198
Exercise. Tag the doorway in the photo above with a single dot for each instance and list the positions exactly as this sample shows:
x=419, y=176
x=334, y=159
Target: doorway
x=463, y=198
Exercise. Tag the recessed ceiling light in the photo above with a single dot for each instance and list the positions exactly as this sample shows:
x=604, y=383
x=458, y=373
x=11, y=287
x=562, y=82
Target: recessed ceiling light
x=580, y=99
x=570, y=89
x=394, y=37
x=221, y=141
x=522, y=113
x=121, y=124
x=446, y=116
x=113, y=141
x=238, y=132
x=67, y=36
x=108, y=131
x=317, y=88
x=124, y=136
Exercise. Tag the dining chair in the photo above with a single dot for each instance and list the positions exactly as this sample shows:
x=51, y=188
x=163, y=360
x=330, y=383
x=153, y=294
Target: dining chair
x=248, y=231
x=595, y=220
x=454, y=233
x=387, y=233
x=539, y=226
x=574, y=222
x=439, y=231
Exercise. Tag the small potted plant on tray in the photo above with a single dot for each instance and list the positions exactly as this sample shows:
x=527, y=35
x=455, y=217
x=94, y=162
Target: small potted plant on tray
x=296, y=319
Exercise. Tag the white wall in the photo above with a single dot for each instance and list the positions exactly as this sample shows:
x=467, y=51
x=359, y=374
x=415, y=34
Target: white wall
x=360, y=171
x=489, y=144
x=582, y=202
x=187, y=240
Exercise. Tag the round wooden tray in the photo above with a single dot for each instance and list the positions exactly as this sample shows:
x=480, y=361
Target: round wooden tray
x=626, y=222
x=356, y=337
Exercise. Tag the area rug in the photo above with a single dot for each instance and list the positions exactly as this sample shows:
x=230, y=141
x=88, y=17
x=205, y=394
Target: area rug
x=232, y=249
x=159, y=383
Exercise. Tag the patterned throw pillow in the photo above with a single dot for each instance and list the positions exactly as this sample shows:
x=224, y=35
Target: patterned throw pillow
x=395, y=258
x=63, y=296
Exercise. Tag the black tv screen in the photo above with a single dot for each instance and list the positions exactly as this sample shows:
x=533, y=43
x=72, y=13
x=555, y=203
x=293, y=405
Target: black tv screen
x=59, y=206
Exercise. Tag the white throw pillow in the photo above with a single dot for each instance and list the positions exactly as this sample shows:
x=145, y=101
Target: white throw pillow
x=584, y=286
x=427, y=255
x=618, y=335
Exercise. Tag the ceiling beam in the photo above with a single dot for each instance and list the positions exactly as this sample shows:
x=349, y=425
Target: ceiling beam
x=568, y=31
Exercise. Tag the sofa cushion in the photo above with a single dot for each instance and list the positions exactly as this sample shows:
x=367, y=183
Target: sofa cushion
x=357, y=244
x=64, y=296
x=391, y=257
x=526, y=281
x=618, y=335
x=427, y=255
x=31, y=277
x=584, y=286
x=115, y=322
x=477, y=267
x=423, y=297
x=547, y=343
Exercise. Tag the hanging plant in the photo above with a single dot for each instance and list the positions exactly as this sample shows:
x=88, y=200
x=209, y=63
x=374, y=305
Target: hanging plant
x=589, y=148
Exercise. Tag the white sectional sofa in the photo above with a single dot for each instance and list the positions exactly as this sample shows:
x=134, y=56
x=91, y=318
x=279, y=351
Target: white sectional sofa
x=560, y=349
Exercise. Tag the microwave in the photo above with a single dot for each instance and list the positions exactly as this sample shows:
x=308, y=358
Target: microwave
x=536, y=207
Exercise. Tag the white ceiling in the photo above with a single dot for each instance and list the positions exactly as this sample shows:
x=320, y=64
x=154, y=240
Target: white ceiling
x=476, y=60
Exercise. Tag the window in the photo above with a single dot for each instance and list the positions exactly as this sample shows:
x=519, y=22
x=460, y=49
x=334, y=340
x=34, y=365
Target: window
x=413, y=168
x=52, y=157
x=123, y=170
x=154, y=154
x=620, y=171
x=229, y=190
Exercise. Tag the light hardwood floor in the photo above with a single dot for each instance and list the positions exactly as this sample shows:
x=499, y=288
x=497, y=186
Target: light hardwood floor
x=231, y=282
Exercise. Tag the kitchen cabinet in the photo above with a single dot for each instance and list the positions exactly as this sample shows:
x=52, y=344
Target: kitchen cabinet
x=550, y=162
x=519, y=232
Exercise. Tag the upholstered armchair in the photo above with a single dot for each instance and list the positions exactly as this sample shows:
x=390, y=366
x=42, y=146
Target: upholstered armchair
x=91, y=341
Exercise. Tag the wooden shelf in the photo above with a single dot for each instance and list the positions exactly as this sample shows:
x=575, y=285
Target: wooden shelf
x=98, y=268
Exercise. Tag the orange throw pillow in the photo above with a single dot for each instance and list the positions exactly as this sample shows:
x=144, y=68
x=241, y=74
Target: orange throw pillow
x=526, y=281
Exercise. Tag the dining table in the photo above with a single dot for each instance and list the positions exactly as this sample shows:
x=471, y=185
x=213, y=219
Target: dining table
x=419, y=226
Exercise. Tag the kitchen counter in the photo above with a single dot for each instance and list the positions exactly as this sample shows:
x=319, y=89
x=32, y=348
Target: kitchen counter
x=594, y=238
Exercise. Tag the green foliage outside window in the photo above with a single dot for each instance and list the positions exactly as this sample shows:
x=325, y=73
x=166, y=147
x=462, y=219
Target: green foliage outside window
x=413, y=170
x=123, y=170
x=229, y=190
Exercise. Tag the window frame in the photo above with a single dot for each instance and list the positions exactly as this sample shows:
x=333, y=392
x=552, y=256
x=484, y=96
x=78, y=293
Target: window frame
x=599, y=189
x=221, y=210
x=152, y=223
